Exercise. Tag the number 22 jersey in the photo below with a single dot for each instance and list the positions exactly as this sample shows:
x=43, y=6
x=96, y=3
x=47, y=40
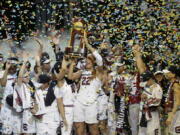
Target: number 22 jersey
x=89, y=88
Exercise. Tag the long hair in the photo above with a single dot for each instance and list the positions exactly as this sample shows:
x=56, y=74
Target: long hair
x=92, y=59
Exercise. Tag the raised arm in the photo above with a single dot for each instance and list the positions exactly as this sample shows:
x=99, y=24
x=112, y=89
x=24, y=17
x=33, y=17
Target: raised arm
x=3, y=80
x=63, y=70
x=22, y=69
x=138, y=57
x=95, y=53
x=71, y=75
x=38, y=55
x=38, y=63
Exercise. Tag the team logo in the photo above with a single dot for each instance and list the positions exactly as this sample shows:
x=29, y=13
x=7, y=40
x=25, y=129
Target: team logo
x=156, y=132
x=177, y=129
x=25, y=127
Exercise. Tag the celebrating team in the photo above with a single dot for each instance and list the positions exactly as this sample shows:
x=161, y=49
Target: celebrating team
x=82, y=95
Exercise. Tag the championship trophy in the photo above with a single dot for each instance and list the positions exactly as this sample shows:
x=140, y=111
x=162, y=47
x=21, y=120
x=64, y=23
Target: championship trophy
x=77, y=30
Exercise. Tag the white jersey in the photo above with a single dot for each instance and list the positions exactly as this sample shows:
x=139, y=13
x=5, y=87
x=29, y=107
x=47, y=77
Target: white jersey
x=153, y=122
x=10, y=119
x=28, y=120
x=66, y=93
x=50, y=118
x=153, y=92
x=88, y=91
x=25, y=95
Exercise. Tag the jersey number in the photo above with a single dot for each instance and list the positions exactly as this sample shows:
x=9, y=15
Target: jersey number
x=85, y=80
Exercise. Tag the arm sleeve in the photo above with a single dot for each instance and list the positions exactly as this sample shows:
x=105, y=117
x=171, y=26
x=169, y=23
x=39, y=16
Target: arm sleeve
x=98, y=57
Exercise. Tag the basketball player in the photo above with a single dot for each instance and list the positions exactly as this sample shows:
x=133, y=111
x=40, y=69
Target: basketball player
x=26, y=91
x=10, y=119
x=48, y=112
x=65, y=97
x=85, y=106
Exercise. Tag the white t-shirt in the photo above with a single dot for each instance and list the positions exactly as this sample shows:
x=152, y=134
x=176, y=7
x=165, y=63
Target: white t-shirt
x=66, y=93
x=154, y=92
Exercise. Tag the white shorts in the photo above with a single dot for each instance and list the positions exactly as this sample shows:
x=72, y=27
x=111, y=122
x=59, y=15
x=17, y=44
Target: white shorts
x=69, y=118
x=85, y=113
x=48, y=128
x=111, y=119
x=102, y=107
x=134, y=110
x=48, y=124
x=153, y=125
x=28, y=122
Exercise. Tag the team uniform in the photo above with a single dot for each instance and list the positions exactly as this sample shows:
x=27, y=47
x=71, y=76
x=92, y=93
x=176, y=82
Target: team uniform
x=66, y=93
x=111, y=115
x=11, y=120
x=175, y=125
x=149, y=111
x=111, y=122
x=26, y=93
x=121, y=88
x=86, y=99
x=134, y=103
x=50, y=120
x=174, y=128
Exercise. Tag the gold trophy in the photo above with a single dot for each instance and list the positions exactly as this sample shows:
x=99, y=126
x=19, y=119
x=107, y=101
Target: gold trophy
x=77, y=29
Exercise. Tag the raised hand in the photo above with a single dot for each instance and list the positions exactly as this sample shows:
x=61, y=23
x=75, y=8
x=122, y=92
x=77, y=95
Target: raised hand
x=39, y=42
x=85, y=37
x=56, y=40
x=64, y=64
x=136, y=49
x=8, y=65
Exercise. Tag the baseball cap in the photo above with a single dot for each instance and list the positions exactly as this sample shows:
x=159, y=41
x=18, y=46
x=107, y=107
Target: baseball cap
x=13, y=60
x=165, y=71
x=158, y=72
x=118, y=64
x=147, y=76
x=44, y=78
x=45, y=58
